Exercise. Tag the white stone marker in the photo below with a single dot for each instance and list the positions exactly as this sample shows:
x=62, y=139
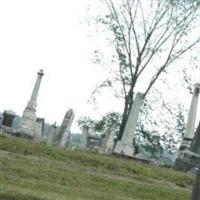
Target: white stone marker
x=64, y=132
x=108, y=143
x=125, y=146
x=84, y=137
x=29, y=115
x=52, y=134
x=190, y=126
x=38, y=129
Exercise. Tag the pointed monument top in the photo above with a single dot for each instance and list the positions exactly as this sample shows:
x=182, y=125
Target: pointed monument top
x=41, y=72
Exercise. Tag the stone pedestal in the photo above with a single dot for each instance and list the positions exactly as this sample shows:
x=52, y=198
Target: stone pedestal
x=27, y=128
x=125, y=146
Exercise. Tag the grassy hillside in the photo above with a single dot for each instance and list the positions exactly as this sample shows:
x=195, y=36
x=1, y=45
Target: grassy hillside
x=31, y=171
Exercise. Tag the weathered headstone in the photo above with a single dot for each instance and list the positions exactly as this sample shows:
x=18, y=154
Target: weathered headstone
x=51, y=137
x=125, y=146
x=64, y=132
x=39, y=126
x=84, y=137
x=27, y=128
x=94, y=142
x=8, y=118
x=108, y=141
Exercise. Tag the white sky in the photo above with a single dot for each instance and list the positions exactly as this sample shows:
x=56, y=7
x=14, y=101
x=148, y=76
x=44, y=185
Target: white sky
x=46, y=34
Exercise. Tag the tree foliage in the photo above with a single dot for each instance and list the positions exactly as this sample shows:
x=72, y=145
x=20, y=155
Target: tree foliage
x=100, y=126
x=146, y=38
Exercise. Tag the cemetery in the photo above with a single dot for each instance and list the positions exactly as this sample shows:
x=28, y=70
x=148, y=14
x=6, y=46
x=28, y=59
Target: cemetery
x=123, y=79
x=32, y=127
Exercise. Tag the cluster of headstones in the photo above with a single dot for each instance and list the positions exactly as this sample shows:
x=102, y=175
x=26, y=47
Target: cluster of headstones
x=10, y=123
x=31, y=127
x=105, y=144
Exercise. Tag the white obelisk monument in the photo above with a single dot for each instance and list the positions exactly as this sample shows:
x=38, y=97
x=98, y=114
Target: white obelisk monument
x=125, y=146
x=27, y=128
x=190, y=126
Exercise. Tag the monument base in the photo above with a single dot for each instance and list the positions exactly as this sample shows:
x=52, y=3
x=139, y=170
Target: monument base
x=187, y=161
x=26, y=133
x=124, y=149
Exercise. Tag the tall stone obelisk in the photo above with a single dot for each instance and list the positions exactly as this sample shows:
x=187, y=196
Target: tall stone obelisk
x=190, y=127
x=27, y=128
x=184, y=161
x=125, y=146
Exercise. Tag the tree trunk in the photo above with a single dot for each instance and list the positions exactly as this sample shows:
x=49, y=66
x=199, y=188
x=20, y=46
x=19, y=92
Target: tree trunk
x=123, y=123
x=125, y=115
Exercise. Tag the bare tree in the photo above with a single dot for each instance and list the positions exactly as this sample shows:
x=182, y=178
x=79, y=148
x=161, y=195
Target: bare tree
x=147, y=37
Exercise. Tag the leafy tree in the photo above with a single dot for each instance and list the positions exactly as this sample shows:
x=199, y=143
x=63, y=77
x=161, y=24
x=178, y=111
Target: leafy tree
x=146, y=38
x=150, y=137
x=107, y=121
x=161, y=125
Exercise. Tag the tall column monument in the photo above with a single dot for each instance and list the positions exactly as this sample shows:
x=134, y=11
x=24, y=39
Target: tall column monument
x=125, y=146
x=27, y=128
x=190, y=127
x=186, y=157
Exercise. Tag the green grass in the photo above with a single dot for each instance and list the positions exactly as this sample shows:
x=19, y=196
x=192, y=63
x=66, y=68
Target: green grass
x=41, y=172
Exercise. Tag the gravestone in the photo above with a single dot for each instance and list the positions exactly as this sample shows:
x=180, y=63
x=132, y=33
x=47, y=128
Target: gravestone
x=39, y=127
x=51, y=137
x=8, y=118
x=94, y=142
x=126, y=146
x=84, y=137
x=64, y=132
x=108, y=141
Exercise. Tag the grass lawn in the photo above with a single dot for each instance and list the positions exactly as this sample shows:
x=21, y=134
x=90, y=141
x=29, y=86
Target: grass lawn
x=30, y=171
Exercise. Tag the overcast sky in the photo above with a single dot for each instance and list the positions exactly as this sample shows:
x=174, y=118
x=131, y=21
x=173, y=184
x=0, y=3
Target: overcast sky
x=49, y=35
